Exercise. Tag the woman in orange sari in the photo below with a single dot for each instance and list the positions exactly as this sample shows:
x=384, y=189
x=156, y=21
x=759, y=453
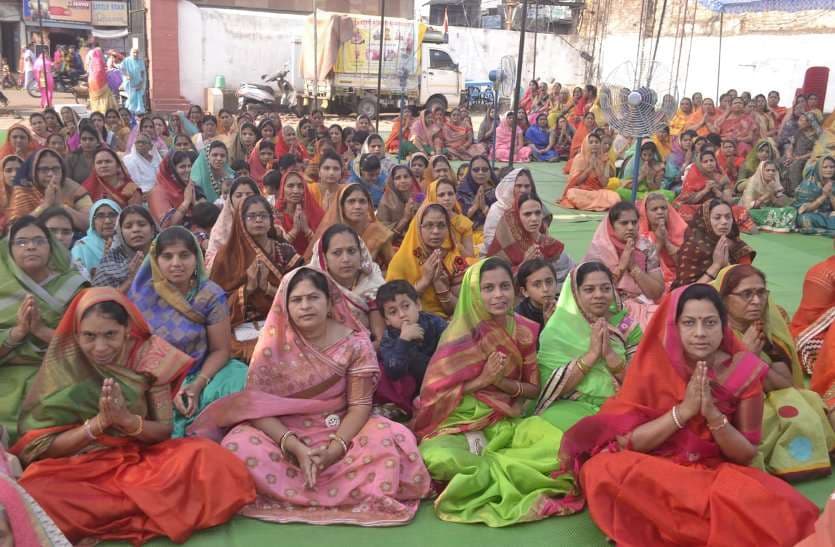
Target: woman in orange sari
x=586, y=188
x=110, y=180
x=812, y=328
x=704, y=120
x=458, y=137
x=353, y=208
x=687, y=440
x=249, y=267
x=42, y=182
x=19, y=142
x=583, y=130
x=96, y=427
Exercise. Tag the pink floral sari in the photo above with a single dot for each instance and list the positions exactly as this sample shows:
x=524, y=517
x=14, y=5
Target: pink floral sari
x=381, y=479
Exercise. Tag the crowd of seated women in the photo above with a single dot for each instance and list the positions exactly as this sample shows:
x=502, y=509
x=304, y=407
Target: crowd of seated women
x=207, y=316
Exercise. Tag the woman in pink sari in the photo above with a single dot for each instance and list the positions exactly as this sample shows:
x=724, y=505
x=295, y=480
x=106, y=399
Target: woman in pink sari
x=303, y=423
x=101, y=97
x=46, y=83
x=21, y=518
x=522, y=153
x=424, y=130
x=632, y=259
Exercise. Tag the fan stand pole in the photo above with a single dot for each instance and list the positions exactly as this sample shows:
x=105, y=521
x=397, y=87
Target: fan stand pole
x=400, y=155
x=637, y=168
x=515, y=102
x=380, y=60
x=495, y=121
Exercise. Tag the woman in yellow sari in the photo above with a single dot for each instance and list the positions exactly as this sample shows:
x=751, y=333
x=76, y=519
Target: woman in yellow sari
x=796, y=434
x=430, y=259
x=352, y=207
x=443, y=192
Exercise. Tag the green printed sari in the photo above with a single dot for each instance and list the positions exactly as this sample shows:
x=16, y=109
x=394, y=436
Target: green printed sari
x=51, y=296
x=563, y=341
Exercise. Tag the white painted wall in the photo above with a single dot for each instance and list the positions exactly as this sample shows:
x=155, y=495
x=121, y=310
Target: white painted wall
x=239, y=44
x=242, y=45
x=754, y=62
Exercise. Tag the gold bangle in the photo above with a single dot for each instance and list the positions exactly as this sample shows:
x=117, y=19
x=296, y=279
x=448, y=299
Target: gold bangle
x=283, y=440
x=720, y=426
x=584, y=368
x=101, y=427
x=518, y=389
x=620, y=368
x=203, y=377
x=341, y=441
x=138, y=429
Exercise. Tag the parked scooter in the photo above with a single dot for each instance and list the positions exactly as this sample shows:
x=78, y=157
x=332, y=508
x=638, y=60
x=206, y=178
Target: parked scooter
x=263, y=97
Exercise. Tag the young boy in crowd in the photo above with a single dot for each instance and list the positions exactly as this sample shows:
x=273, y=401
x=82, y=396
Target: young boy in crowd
x=537, y=282
x=272, y=180
x=371, y=178
x=203, y=218
x=241, y=168
x=408, y=344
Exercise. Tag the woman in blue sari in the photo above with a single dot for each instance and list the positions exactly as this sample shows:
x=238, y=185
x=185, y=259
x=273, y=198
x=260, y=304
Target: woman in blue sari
x=814, y=200
x=89, y=250
x=134, y=70
x=540, y=137
x=173, y=291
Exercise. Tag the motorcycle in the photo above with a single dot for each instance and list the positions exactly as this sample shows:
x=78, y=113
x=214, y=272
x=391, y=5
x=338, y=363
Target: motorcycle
x=263, y=97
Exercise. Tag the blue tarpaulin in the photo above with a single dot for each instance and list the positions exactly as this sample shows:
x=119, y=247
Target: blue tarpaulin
x=741, y=6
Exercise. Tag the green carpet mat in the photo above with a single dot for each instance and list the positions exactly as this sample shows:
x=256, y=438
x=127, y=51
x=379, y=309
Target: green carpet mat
x=785, y=259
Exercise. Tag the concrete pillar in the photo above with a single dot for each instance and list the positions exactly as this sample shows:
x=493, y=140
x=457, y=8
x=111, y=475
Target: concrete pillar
x=162, y=26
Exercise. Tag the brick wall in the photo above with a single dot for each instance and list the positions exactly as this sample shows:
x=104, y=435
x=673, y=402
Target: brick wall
x=164, y=55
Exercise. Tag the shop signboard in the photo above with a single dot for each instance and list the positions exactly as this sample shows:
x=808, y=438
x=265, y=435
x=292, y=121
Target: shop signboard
x=110, y=13
x=71, y=11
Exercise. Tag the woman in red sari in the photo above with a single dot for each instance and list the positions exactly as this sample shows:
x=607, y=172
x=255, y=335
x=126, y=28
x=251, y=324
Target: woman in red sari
x=110, y=180
x=297, y=212
x=705, y=181
x=682, y=430
x=739, y=126
x=287, y=142
x=96, y=427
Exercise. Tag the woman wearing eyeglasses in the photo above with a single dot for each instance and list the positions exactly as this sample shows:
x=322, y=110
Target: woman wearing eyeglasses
x=43, y=182
x=249, y=267
x=37, y=282
x=797, y=436
x=89, y=250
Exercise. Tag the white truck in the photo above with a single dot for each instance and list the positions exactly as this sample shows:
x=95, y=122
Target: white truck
x=416, y=62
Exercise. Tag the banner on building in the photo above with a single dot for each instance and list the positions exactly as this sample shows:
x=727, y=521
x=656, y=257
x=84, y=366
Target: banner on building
x=110, y=13
x=73, y=11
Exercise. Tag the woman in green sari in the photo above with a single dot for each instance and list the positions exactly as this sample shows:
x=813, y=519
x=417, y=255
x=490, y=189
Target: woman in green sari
x=797, y=437
x=211, y=171
x=36, y=284
x=584, y=348
x=496, y=466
